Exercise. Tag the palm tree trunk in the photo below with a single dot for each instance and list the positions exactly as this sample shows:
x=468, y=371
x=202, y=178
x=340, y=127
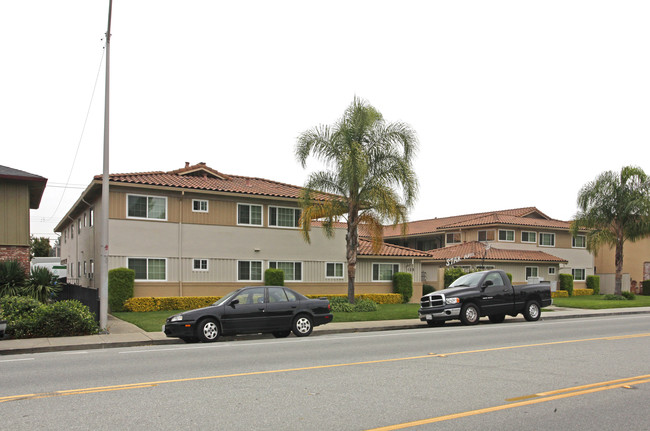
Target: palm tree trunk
x=352, y=245
x=618, y=259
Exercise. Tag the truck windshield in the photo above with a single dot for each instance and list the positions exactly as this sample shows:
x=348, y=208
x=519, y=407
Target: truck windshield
x=469, y=280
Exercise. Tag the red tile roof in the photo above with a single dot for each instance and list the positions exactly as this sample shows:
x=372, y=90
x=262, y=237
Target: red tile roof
x=365, y=249
x=475, y=250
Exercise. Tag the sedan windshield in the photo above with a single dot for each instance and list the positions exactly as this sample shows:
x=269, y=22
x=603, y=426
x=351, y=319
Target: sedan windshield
x=469, y=280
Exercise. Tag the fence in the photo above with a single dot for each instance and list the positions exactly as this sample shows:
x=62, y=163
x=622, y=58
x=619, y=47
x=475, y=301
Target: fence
x=85, y=295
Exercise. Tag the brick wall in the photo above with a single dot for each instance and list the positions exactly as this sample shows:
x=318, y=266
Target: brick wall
x=16, y=252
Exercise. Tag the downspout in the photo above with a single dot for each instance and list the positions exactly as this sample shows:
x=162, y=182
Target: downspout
x=180, y=244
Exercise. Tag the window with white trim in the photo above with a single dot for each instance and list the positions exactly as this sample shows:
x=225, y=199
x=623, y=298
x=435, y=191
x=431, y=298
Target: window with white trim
x=334, y=270
x=579, y=274
x=547, y=239
x=453, y=238
x=146, y=207
x=530, y=237
x=384, y=271
x=91, y=217
x=199, y=206
x=199, y=264
x=506, y=235
x=486, y=235
x=579, y=241
x=148, y=269
x=292, y=270
x=79, y=225
x=551, y=270
x=532, y=271
x=249, y=215
x=249, y=270
x=284, y=217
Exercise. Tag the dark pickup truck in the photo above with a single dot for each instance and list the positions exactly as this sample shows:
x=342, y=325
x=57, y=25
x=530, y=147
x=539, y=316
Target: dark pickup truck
x=485, y=293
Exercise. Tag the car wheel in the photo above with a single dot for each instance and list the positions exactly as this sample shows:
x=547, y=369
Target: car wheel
x=435, y=323
x=532, y=311
x=208, y=330
x=281, y=334
x=497, y=318
x=469, y=314
x=302, y=325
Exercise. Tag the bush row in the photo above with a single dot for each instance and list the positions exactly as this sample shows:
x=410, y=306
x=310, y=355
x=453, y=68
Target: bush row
x=379, y=298
x=341, y=305
x=583, y=292
x=168, y=303
x=560, y=294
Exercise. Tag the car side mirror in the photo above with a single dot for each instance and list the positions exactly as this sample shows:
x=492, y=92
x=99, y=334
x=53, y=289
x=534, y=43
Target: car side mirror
x=234, y=302
x=487, y=283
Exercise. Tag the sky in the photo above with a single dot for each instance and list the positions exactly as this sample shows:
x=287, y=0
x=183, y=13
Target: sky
x=515, y=103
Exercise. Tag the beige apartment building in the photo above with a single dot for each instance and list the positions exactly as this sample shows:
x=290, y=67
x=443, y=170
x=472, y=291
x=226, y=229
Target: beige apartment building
x=195, y=231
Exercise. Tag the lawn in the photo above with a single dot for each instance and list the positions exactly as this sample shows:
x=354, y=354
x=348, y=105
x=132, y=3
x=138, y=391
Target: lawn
x=152, y=321
x=596, y=302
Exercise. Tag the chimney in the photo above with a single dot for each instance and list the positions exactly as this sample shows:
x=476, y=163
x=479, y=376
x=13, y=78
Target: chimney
x=187, y=165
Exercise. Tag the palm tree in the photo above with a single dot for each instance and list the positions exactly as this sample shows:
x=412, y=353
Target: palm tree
x=614, y=208
x=366, y=160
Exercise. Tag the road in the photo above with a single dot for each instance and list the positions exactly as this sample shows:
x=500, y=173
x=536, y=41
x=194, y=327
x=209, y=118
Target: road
x=574, y=374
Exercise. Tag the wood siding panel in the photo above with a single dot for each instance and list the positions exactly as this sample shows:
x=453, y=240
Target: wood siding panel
x=14, y=214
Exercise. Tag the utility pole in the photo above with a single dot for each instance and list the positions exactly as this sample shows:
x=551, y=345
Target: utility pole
x=103, y=278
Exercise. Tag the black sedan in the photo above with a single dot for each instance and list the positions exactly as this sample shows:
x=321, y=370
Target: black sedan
x=251, y=310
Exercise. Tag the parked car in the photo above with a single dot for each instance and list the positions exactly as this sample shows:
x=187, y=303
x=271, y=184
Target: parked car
x=485, y=293
x=250, y=310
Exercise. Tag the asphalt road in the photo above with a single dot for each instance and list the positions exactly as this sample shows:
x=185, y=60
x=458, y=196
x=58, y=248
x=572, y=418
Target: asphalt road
x=576, y=374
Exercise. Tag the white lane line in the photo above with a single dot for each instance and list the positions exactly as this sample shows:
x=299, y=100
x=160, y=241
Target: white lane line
x=17, y=360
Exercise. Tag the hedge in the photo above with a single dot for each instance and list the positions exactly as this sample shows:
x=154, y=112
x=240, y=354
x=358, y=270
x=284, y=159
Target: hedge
x=566, y=283
x=120, y=287
x=379, y=298
x=583, y=292
x=274, y=277
x=169, y=303
x=646, y=287
x=403, y=285
x=593, y=282
x=560, y=294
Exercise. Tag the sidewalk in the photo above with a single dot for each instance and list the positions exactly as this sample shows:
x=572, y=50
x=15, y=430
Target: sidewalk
x=124, y=334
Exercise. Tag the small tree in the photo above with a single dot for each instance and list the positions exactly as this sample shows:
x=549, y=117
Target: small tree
x=452, y=274
x=39, y=247
x=403, y=284
x=120, y=287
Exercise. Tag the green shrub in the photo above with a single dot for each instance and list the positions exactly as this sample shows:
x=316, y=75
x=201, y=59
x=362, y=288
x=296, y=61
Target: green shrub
x=646, y=287
x=451, y=274
x=628, y=295
x=593, y=282
x=427, y=289
x=41, y=285
x=274, y=277
x=566, y=283
x=12, y=278
x=403, y=284
x=509, y=276
x=341, y=305
x=120, y=287
x=612, y=297
x=14, y=307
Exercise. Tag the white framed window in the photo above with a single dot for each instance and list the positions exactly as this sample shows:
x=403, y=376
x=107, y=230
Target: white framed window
x=284, y=217
x=199, y=205
x=249, y=270
x=92, y=266
x=334, y=270
x=79, y=225
x=199, y=264
x=384, y=271
x=532, y=271
x=579, y=274
x=530, y=237
x=506, y=235
x=85, y=219
x=453, y=238
x=148, y=268
x=486, y=235
x=91, y=217
x=79, y=269
x=146, y=207
x=579, y=241
x=551, y=270
x=292, y=270
x=249, y=215
x=546, y=239
x=85, y=268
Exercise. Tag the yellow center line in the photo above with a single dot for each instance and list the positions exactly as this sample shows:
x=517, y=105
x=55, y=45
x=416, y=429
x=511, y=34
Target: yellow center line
x=288, y=370
x=576, y=391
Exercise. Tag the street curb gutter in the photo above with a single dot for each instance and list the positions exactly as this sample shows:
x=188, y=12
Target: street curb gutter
x=415, y=324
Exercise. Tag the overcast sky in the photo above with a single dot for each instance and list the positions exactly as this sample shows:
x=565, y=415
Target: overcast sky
x=515, y=103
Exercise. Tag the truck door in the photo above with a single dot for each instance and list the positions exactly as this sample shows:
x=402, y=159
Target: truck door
x=497, y=296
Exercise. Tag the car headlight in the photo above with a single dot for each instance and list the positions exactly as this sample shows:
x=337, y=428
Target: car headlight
x=176, y=318
x=450, y=301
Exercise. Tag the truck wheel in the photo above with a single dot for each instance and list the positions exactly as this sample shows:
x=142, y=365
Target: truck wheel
x=469, y=314
x=497, y=318
x=532, y=311
x=434, y=323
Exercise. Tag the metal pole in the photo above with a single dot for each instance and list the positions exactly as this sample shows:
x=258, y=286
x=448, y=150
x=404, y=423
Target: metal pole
x=103, y=286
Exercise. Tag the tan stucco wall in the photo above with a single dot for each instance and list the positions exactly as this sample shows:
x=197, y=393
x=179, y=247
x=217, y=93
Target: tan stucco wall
x=635, y=256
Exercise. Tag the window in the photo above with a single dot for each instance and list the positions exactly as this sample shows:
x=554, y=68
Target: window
x=292, y=270
x=529, y=237
x=334, y=270
x=85, y=268
x=277, y=294
x=453, y=238
x=148, y=268
x=249, y=214
x=486, y=235
x=149, y=207
x=547, y=239
x=531, y=271
x=284, y=217
x=249, y=270
x=199, y=206
x=71, y=231
x=78, y=269
x=79, y=225
x=251, y=296
x=200, y=265
x=85, y=219
x=579, y=274
x=551, y=270
x=92, y=266
x=507, y=235
x=579, y=241
x=91, y=217
x=384, y=271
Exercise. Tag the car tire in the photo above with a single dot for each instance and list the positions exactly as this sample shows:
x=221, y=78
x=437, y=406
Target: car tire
x=497, y=318
x=281, y=334
x=532, y=311
x=470, y=314
x=435, y=323
x=302, y=325
x=208, y=330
